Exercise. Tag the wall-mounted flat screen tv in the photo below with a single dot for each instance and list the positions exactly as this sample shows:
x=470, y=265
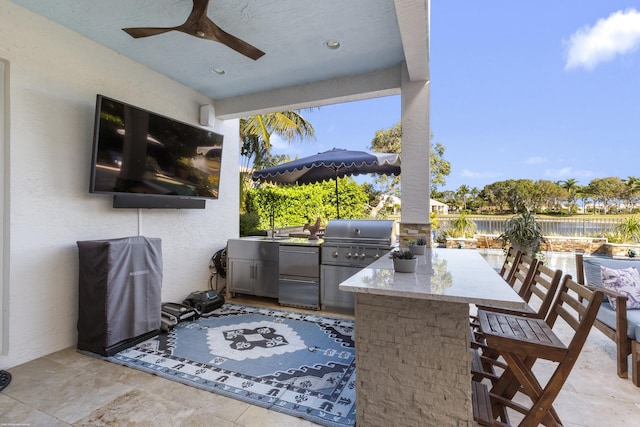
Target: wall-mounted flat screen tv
x=139, y=153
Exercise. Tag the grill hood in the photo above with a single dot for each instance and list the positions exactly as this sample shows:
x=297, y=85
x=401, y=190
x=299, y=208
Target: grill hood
x=360, y=231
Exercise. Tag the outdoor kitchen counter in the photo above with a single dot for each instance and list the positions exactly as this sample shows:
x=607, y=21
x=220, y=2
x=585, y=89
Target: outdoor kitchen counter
x=284, y=240
x=412, y=336
x=300, y=241
x=452, y=275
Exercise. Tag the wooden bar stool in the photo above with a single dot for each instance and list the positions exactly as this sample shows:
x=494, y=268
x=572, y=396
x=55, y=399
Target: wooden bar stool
x=522, y=340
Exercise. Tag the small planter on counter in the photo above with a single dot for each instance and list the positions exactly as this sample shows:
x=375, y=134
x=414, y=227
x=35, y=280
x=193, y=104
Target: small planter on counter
x=404, y=261
x=418, y=246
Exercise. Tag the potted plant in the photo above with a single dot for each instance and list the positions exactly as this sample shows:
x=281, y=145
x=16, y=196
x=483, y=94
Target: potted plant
x=418, y=246
x=523, y=233
x=404, y=261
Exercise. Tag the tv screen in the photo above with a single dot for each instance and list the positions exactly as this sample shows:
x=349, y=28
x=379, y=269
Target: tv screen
x=137, y=152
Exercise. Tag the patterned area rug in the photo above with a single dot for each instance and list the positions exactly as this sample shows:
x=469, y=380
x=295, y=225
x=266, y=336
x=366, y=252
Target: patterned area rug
x=295, y=363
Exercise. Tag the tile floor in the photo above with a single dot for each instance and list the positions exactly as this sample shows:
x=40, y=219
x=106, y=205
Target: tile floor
x=70, y=389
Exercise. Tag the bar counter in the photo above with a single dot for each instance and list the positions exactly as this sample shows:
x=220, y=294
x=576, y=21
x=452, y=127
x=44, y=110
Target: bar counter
x=412, y=337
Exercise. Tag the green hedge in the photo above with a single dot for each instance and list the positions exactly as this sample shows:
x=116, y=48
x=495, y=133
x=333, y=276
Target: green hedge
x=295, y=205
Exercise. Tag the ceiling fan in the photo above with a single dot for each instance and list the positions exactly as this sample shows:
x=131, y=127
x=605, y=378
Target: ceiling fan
x=200, y=26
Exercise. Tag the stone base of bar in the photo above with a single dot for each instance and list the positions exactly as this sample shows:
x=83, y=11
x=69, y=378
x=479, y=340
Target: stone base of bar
x=413, y=367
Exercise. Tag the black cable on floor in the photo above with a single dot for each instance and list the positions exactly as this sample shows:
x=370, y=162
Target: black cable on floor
x=5, y=379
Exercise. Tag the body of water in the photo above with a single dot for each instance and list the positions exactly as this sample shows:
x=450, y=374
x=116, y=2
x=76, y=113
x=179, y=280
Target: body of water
x=565, y=261
x=575, y=227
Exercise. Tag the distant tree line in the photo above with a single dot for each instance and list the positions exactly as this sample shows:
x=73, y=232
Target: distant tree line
x=600, y=195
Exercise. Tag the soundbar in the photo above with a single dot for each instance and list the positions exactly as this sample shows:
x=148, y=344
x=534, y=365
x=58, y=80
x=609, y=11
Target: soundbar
x=157, y=202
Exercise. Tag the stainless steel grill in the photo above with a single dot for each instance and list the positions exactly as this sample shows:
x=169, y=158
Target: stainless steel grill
x=356, y=243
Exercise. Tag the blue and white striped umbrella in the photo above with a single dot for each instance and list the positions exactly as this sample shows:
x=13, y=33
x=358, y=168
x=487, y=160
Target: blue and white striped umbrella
x=332, y=164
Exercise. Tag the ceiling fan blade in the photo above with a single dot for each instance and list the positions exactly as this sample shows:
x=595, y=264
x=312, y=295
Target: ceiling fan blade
x=200, y=26
x=137, y=33
x=216, y=33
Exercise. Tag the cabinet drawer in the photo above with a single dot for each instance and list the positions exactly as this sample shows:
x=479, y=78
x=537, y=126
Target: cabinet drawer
x=299, y=261
x=299, y=292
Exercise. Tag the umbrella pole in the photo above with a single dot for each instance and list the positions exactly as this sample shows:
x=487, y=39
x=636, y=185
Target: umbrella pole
x=337, y=197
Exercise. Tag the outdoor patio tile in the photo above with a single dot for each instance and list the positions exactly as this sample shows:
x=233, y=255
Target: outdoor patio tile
x=256, y=416
x=70, y=357
x=581, y=411
x=13, y=412
x=138, y=408
x=213, y=404
x=203, y=418
x=41, y=373
x=65, y=392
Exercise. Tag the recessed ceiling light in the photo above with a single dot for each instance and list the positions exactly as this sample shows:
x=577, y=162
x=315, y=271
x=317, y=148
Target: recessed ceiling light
x=200, y=33
x=217, y=70
x=332, y=44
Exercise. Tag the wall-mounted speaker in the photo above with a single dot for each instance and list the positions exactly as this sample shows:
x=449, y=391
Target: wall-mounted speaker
x=157, y=202
x=207, y=115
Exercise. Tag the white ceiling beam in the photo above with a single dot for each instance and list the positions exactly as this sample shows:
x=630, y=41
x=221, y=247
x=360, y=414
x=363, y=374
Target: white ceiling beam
x=342, y=89
x=413, y=20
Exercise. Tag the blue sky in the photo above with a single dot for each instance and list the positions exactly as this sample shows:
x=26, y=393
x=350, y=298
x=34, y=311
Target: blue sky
x=546, y=89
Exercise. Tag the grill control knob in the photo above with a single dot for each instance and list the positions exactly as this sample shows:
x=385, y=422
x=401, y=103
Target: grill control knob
x=348, y=255
x=362, y=256
x=356, y=256
x=376, y=256
x=334, y=254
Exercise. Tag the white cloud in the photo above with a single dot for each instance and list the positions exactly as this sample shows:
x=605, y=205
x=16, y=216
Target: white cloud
x=278, y=143
x=615, y=35
x=536, y=160
x=466, y=173
x=566, y=173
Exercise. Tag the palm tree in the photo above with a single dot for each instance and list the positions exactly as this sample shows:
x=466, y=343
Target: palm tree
x=584, y=193
x=571, y=185
x=632, y=189
x=473, y=195
x=256, y=131
x=255, y=136
x=462, y=192
x=449, y=199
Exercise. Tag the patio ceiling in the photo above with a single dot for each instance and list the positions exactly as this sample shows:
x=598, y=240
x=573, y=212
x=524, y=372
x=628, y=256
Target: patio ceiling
x=298, y=70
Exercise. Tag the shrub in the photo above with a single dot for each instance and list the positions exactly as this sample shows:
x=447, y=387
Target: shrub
x=523, y=231
x=248, y=222
x=462, y=226
x=295, y=205
x=629, y=230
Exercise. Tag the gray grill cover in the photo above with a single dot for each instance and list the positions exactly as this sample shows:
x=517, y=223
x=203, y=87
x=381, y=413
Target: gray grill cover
x=119, y=295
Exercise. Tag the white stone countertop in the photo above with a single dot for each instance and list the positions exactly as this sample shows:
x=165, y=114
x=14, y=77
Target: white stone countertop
x=453, y=275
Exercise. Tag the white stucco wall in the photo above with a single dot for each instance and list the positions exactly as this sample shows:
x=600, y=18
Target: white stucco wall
x=55, y=76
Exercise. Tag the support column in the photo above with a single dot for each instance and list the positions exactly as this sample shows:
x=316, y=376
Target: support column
x=415, y=176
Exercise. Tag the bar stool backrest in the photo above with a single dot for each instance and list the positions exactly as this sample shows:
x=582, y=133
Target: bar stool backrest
x=523, y=274
x=543, y=285
x=510, y=261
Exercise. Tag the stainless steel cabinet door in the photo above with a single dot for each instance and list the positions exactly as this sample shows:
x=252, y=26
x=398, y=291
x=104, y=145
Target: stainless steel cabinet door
x=330, y=277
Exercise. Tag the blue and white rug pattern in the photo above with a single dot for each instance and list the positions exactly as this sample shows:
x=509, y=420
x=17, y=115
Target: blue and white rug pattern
x=296, y=363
